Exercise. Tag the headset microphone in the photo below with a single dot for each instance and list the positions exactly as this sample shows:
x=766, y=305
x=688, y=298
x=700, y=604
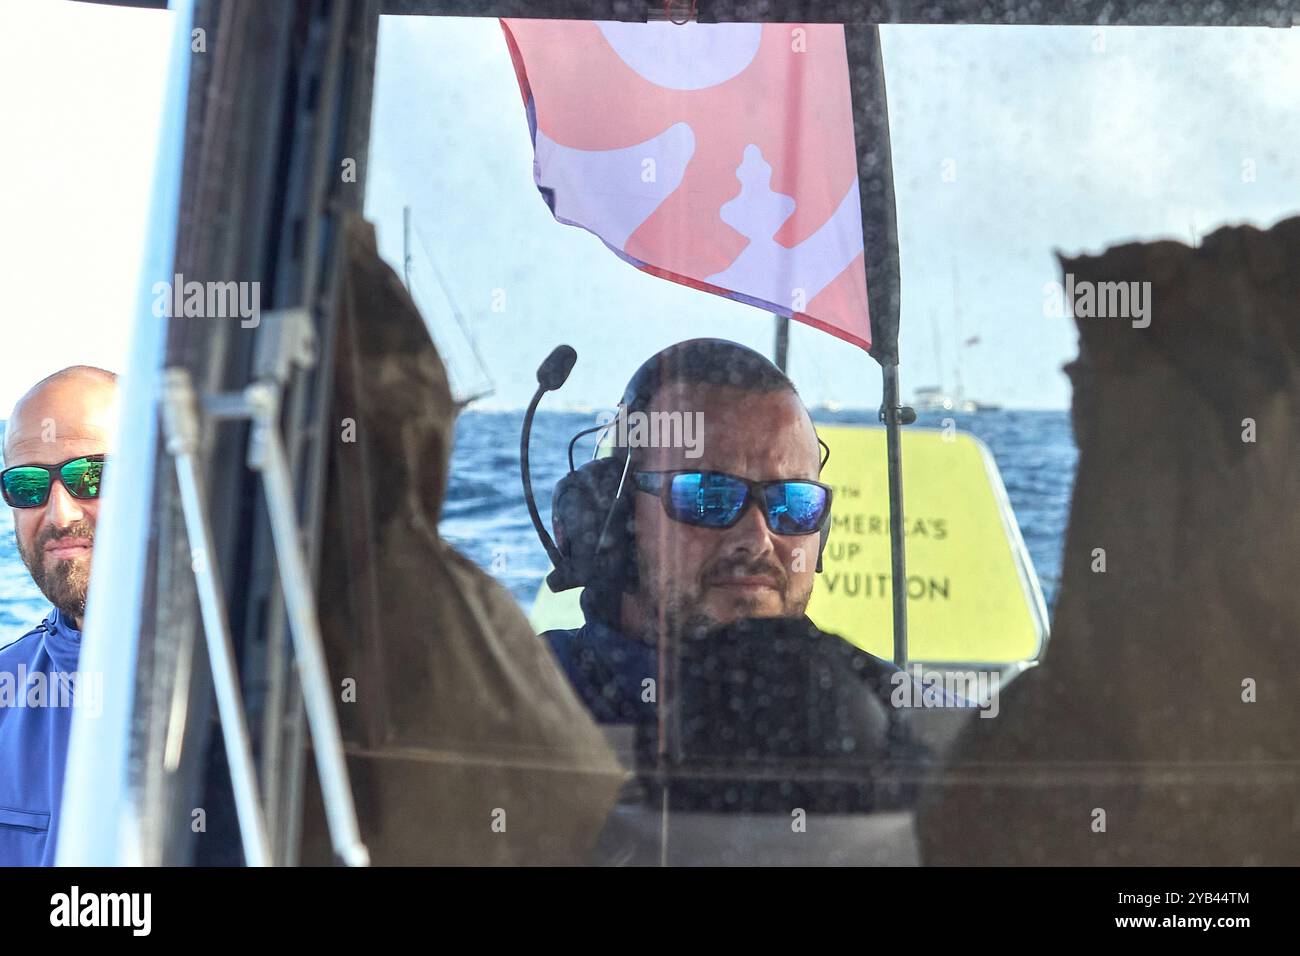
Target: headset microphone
x=590, y=517
x=551, y=374
x=554, y=371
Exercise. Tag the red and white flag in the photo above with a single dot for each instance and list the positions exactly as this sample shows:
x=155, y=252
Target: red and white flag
x=720, y=156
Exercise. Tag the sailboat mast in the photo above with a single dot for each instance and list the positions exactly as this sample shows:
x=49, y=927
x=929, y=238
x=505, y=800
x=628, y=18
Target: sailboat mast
x=406, y=247
x=781, y=347
x=938, y=350
x=959, y=392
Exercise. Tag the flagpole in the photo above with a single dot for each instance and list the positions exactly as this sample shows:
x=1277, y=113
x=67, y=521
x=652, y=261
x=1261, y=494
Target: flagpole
x=895, y=415
x=781, y=345
x=880, y=249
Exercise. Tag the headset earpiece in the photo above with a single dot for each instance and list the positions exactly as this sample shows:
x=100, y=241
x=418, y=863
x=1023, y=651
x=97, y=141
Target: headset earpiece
x=825, y=534
x=593, y=528
x=826, y=528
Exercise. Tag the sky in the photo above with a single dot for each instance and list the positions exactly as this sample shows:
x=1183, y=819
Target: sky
x=1009, y=143
x=82, y=92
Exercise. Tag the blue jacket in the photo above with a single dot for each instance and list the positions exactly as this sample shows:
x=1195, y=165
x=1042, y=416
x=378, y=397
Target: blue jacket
x=35, y=719
x=606, y=669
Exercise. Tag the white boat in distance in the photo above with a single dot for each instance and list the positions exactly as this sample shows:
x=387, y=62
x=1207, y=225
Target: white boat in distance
x=932, y=398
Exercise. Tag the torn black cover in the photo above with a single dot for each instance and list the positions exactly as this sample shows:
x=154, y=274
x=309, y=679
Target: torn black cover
x=1161, y=728
x=465, y=744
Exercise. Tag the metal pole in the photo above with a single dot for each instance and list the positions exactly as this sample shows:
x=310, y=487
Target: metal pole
x=781, y=349
x=181, y=422
x=267, y=456
x=895, y=415
x=99, y=824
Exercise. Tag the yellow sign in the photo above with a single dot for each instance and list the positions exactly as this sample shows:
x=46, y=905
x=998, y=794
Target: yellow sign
x=973, y=596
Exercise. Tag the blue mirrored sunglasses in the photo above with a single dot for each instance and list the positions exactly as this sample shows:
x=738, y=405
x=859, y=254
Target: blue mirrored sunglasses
x=715, y=499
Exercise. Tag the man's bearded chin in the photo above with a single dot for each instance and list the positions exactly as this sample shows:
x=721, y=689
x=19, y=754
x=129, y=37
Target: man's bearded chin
x=681, y=613
x=65, y=582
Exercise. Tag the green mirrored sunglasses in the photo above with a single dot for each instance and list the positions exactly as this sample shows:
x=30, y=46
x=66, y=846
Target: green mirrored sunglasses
x=28, y=486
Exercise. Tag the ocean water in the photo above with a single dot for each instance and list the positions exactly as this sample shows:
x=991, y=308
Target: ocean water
x=21, y=604
x=485, y=517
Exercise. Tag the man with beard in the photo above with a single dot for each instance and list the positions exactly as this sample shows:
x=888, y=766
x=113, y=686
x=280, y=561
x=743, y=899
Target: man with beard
x=722, y=528
x=54, y=447
x=696, y=542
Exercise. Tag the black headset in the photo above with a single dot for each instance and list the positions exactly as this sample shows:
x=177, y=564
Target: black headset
x=591, y=511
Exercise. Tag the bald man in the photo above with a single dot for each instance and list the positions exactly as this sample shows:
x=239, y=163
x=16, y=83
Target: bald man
x=55, y=442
